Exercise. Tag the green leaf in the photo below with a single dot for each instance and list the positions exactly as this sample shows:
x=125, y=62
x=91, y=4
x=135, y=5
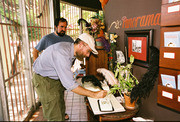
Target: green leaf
x=131, y=59
x=128, y=66
x=116, y=73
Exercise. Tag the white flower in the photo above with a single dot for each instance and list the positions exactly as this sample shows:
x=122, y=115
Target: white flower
x=114, y=40
x=115, y=36
x=106, y=36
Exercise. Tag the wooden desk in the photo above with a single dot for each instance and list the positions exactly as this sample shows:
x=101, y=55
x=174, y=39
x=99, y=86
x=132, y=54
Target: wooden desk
x=128, y=114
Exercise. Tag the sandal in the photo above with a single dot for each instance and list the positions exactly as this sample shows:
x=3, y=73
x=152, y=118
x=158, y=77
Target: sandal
x=66, y=116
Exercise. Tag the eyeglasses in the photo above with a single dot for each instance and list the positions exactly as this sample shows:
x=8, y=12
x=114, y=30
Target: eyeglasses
x=87, y=47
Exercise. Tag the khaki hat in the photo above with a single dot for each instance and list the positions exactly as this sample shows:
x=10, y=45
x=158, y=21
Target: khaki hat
x=87, y=38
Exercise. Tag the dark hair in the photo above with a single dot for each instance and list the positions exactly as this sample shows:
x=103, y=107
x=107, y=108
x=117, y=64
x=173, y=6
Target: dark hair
x=57, y=20
x=77, y=41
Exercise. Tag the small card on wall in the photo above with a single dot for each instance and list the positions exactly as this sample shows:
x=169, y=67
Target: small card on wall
x=171, y=1
x=172, y=39
x=167, y=94
x=168, y=81
x=178, y=79
x=175, y=8
x=169, y=55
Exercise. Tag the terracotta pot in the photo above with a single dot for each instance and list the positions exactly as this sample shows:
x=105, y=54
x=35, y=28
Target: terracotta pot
x=128, y=104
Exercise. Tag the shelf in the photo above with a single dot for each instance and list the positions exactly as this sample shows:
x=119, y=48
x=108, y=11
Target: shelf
x=169, y=97
x=169, y=59
x=170, y=14
x=166, y=1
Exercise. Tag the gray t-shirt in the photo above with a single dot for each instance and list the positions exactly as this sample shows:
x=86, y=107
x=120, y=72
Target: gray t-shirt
x=55, y=62
x=51, y=39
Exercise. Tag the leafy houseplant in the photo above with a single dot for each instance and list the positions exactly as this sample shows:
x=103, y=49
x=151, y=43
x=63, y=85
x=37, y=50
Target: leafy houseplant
x=126, y=79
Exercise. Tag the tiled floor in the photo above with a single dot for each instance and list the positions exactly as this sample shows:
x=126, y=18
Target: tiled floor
x=75, y=108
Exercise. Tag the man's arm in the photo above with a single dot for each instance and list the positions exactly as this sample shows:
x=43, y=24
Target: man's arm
x=35, y=54
x=81, y=91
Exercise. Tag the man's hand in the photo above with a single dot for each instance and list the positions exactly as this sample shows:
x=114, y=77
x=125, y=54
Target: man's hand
x=35, y=54
x=100, y=94
x=82, y=91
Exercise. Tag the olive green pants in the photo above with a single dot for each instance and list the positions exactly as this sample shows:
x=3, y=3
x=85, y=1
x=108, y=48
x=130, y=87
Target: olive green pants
x=51, y=95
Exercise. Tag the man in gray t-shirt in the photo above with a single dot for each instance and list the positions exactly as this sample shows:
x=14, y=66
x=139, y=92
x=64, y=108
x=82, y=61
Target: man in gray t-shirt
x=57, y=36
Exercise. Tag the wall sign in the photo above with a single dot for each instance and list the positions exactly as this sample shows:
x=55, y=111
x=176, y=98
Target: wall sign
x=167, y=94
x=169, y=55
x=142, y=21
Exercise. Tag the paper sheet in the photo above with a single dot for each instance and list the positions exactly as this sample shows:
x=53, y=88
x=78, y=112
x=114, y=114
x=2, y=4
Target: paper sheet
x=95, y=107
x=94, y=102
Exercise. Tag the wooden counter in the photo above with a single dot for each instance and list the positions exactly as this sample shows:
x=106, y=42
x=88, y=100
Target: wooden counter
x=128, y=114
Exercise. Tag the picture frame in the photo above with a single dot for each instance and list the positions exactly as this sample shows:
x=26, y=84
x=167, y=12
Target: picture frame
x=137, y=43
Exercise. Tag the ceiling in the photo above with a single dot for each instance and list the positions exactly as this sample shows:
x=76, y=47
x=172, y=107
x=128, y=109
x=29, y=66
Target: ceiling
x=86, y=4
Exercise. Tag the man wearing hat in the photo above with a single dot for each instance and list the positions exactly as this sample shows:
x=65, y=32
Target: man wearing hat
x=52, y=74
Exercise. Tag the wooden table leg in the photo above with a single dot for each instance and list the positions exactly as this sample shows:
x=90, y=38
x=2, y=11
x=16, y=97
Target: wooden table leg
x=100, y=118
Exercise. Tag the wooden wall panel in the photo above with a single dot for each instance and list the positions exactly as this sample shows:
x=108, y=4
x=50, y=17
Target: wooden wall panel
x=170, y=14
x=97, y=61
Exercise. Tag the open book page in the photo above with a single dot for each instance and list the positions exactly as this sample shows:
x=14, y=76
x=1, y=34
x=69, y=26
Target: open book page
x=105, y=105
x=117, y=107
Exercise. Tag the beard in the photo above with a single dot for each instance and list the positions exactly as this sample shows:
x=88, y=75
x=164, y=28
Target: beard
x=61, y=33
x=80, y=56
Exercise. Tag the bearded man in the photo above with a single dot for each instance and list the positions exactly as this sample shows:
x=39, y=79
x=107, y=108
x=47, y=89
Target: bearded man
x=59, y=35
x=52, y=75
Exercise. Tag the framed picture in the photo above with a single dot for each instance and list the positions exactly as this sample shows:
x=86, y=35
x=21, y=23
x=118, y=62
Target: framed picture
x=137, y=43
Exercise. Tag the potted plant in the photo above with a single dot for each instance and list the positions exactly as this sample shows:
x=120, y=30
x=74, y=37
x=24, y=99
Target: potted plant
x=126, y=82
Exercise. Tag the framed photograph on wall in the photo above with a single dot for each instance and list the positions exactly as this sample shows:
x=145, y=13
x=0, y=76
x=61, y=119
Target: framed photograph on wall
x=137, y=43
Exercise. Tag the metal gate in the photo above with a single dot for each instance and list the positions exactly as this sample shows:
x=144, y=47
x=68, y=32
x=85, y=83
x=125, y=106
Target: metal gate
x=72, y=13
x=22, y=24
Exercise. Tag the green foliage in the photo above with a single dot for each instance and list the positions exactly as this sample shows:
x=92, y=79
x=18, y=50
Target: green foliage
x=126, y=79
x=13, y=17
x=131, y=59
